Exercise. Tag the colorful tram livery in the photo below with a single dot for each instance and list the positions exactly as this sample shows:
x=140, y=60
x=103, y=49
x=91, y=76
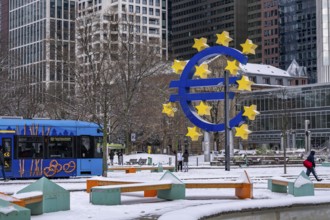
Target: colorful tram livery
x=51, y=148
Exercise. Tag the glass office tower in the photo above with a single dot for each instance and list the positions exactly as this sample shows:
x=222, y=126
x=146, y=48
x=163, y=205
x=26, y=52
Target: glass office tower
x=291, y=105
x=42, y=43
x=298, y=35
x=323, y=49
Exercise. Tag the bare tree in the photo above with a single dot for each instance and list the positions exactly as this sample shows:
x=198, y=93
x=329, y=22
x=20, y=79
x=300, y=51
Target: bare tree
x=283, y=100
x=111, y=65
x=16, y=97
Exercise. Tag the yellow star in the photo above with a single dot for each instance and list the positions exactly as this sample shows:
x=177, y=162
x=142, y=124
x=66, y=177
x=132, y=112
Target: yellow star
x=244, y=83
x=223, y=38
x=232, y=66
x=200, y=44
x=249, y=47
x=194, y=133
x=169, y=109
x=202, y=71
x=251, y=112
x=242, y=131
x=178, y=66
x=203, y=109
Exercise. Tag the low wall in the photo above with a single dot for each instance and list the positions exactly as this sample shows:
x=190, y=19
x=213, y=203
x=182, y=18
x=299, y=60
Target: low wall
x=294, y=212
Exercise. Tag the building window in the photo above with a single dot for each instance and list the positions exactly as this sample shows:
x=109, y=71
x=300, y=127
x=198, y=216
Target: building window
x=253, y=79
x=144, y=10
x=266, y=80
x=279, y=82
x=144, y=20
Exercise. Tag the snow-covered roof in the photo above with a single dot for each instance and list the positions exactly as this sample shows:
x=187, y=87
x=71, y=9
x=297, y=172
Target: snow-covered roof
x=296, y=70
x=261, y=69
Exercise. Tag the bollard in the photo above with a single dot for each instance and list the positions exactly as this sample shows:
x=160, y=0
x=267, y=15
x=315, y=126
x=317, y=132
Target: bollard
x=197, y=161
x=170, y=161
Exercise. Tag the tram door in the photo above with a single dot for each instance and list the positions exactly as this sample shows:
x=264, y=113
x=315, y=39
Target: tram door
x=7, y=143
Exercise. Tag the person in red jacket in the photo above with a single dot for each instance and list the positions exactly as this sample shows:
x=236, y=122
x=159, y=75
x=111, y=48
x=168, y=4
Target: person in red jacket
x=311, y=159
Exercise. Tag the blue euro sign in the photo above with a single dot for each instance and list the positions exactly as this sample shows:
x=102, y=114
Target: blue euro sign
x=186, y=82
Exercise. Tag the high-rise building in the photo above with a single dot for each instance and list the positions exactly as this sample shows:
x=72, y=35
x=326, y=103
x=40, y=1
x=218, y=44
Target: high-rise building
x=270, y=32
x=42, y=42
x=147, y=18
x=323, y=33
x=263, y=30
x=4, y=22
x=255, y=32
x=298, y=35
x=196, y=18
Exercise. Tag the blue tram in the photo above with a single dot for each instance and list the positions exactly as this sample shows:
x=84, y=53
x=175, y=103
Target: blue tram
x=53, y=148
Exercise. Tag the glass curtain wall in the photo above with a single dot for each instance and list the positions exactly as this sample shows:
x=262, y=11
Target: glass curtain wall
x=286, y=109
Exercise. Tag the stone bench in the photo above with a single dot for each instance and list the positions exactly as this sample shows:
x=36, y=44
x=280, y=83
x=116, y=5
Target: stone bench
x=23, y=199
x=132, y=169
x=243, y=188
x=111, y=195
x=302, y=186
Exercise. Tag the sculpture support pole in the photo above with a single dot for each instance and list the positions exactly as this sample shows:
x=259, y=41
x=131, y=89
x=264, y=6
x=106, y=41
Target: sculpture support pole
x=227, y=132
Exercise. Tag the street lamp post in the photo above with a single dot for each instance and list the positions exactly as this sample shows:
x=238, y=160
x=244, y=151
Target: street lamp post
x=227, y=128
x=307, y=136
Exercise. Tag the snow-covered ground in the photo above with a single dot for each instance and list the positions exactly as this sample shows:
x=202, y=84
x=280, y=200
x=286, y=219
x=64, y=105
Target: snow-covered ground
x=198, y=202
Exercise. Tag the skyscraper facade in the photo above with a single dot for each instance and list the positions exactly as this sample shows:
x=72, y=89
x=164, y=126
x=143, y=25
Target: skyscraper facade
x=206, y=18
x=4, y=22
x=270, y=32
x=255, y=32
x=323, y=33
x=149, y=18
x=42, y=42
x=298, y=35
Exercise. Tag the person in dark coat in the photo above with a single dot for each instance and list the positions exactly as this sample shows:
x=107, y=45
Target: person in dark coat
x=185, y=160
x=111, y=156
x=2, y=163
x=311, y=159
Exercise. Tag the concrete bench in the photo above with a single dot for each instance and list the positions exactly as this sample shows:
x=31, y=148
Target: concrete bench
x=321, y=185
x=132, y=162
x=30, y=197
x=243, y=188
x=134, y=169
x=279, y=184
x=23, y=199
x=105, y=182
x=10, y=211
x=302, y=186
x=111, y=195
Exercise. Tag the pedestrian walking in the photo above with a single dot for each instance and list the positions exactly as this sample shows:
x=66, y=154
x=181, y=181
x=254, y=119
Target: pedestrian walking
x=185, y=160
x=120, y=158
x=179, y=158
x=111, y=156
x=311, y=169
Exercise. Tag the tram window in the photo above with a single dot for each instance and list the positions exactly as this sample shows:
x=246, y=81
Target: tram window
x=98, y=146
x=86, y=150
x=30, y=147
x=60, y=147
